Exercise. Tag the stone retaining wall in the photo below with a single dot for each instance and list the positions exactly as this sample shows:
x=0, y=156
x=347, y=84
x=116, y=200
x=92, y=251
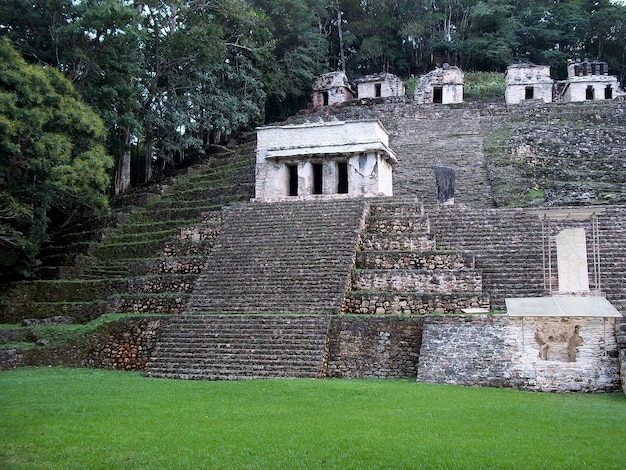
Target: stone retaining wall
x=124, y=345
x=374, y=347
x=413, y=260
x=417, y=281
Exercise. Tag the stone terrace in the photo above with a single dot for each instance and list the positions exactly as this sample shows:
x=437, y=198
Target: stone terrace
x=399, y=269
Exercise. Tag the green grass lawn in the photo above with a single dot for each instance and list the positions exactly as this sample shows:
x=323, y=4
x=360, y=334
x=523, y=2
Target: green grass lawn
x=80, y=418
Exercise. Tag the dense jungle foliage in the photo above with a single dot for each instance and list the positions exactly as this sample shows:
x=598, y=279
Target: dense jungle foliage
x=170, y=78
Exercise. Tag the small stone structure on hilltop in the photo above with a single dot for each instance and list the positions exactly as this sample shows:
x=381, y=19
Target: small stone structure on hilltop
x=331, y=89
x=528, y=82
x=380, y=85
x=441, y=86
x=323, y=159
x=589, y=81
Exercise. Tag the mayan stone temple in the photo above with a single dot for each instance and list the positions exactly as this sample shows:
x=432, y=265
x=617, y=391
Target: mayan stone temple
x=375, y=234
x=324, y=159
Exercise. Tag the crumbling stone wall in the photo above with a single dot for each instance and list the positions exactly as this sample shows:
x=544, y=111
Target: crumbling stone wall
x=621, y=346
x=370, y=347
x=124, y=345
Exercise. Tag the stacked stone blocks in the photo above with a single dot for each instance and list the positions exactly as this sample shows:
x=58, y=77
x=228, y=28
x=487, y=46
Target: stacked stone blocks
x=400, y=271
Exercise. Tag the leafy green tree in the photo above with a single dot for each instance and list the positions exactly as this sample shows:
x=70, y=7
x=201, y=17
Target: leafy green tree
x=52, y=161
x=296, y=51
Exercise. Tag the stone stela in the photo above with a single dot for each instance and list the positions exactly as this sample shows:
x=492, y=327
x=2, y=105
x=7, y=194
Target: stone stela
x=573, y=323
x=445, y=177
x=571, y=254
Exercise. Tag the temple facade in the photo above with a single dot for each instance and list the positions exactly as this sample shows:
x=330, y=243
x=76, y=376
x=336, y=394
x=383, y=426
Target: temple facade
x=331, y=89
x=528, y=82
x=326, y=159
x=380, y=85
x=440, y=86
x=589, y=81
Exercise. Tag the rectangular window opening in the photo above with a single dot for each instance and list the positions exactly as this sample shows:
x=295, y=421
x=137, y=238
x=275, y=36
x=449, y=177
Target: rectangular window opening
x=438, y=94
x=318, y=184
x=293, y=179
x=608, y=93
x=530, y=93
x=589, y=93
x=342, y=177
x=378, y=90
x=325, y=97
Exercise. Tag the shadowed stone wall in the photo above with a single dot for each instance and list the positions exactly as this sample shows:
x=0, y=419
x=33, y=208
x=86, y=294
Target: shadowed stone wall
x=374, y=347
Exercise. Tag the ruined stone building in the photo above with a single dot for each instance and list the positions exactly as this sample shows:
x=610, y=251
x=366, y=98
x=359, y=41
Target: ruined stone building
x=323, y=159
x=380, y=85
x=589, y=81
x=331, y=89
x=528, y=82
x=442, y=85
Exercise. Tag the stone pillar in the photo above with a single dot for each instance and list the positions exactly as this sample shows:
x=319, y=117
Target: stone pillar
x=445, y=185
x=571, y=253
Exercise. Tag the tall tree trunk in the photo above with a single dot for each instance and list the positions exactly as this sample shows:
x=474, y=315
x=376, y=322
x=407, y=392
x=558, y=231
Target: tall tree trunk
x=147, y=167
x=122, y=169
x=340, y=32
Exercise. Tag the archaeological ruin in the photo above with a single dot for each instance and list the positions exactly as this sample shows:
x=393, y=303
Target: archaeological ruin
x=323, y=159
x=331, y=89
x=528, y=82
x=380, y=85
x=478, y=244
x=589, y=81
x=441, y=86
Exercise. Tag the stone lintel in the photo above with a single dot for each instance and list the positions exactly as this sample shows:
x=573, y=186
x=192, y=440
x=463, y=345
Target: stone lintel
x=323, y=150
x=579, y=213
x=561, y=306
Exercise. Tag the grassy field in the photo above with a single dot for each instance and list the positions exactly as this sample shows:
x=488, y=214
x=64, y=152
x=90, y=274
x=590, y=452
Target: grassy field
x=79, y=418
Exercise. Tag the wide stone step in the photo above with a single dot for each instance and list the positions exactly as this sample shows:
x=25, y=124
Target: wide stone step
x=163, y=283
x=411, y=303
x=426, y=281
x=415, y=242
x=173, y=303
x=81, y=312
x=404, y=259
x=397, y=224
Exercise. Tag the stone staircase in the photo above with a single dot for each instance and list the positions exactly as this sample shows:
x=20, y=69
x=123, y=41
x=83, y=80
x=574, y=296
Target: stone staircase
x=147, y=259
x=235, y=347
x=290, y=257
x=270, y=261
x=400, y=271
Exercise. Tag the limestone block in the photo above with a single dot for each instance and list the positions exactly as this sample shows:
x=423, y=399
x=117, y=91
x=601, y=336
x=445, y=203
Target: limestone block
x=571, y=252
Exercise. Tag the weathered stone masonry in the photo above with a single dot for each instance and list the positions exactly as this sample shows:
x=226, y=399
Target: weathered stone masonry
x=500, y=351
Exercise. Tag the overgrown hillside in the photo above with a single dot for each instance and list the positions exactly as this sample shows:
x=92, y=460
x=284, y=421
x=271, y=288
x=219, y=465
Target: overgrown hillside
x=556, y=155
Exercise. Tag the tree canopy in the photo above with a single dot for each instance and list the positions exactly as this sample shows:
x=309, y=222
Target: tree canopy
x=52, y=160
x=170, y=77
